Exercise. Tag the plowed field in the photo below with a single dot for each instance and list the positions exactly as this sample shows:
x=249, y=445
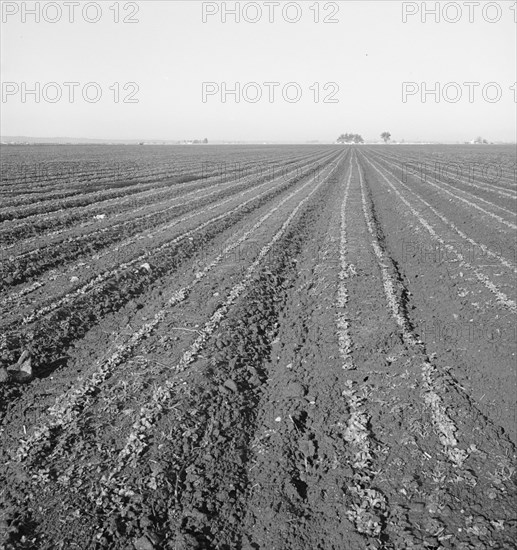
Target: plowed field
x=292, y=347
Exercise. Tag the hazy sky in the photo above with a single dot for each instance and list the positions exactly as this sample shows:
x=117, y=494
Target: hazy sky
x=369, y=53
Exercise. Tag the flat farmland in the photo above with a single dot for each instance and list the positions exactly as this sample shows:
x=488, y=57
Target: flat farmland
x=258, y=347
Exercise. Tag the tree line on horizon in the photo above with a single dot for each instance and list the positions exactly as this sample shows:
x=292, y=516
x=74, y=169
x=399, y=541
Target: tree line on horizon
x=350, y=138
x=356, y=138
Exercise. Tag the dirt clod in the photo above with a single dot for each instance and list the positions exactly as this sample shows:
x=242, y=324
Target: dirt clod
x=295, y=389
x=231, y=385
x=4, y=375
x=22, y=371
x=143, y=543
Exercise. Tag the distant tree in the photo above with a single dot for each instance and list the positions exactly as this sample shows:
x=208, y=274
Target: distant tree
x=205, y=140
x=350, y=138
x=386, y=136
x=479, y=141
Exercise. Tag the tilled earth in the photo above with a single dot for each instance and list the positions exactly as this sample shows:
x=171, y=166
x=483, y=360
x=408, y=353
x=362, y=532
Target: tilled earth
x=322, y=360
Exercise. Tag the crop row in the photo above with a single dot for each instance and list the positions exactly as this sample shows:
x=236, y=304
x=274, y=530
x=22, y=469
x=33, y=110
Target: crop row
x=22, y=268
x=63, y=218
x=109, y=291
